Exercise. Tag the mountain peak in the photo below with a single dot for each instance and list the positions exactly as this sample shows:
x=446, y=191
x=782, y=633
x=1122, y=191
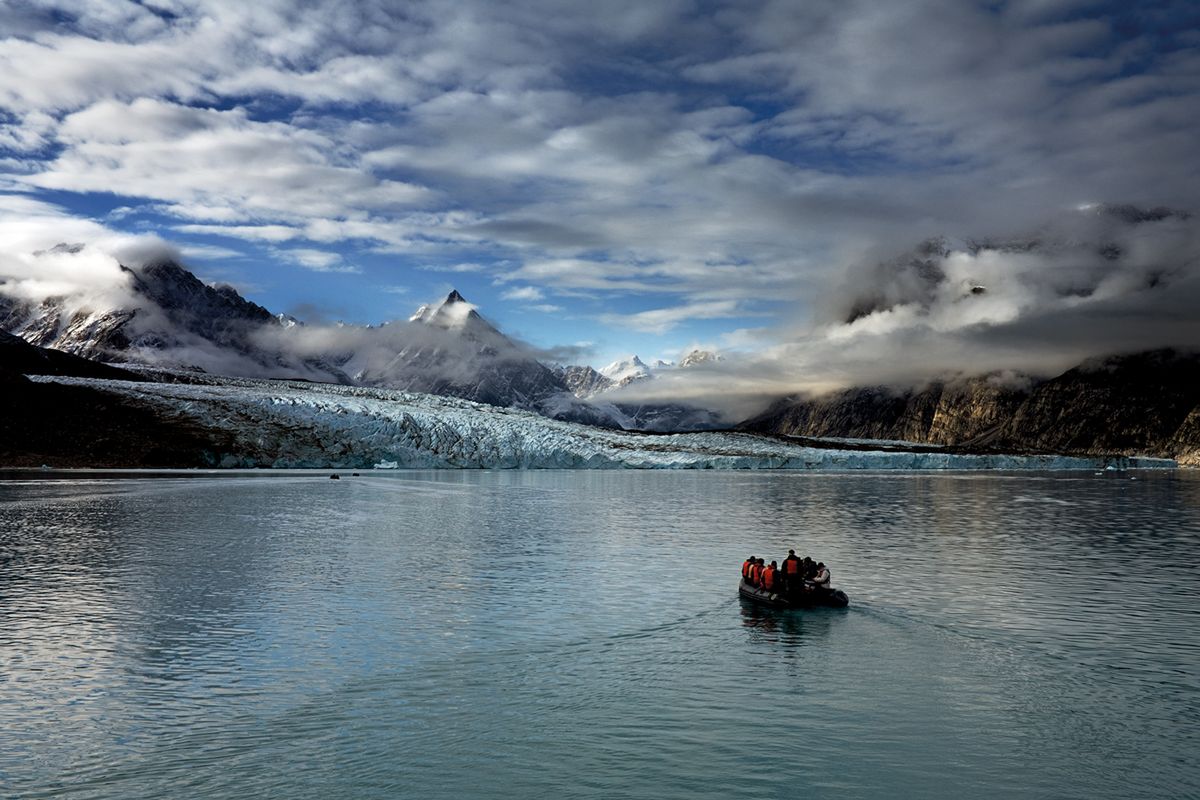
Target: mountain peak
x=454, y=297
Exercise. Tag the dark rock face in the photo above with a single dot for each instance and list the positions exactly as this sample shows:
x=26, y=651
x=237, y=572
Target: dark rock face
x=218, y=314
x=78, y=426
x=1130, y=403
x=19, y=357
x=1146, y=403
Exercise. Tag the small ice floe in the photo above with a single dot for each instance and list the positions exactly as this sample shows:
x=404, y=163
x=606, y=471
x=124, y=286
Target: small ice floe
x=387, y=465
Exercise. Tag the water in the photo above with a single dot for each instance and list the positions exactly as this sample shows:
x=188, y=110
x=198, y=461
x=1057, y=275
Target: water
x=578, y=634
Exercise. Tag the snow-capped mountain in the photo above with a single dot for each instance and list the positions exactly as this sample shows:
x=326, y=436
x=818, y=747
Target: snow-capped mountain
x=587, y=382
x=698, y=357
x=449, y=349
x=583, y=381
x=625, y=371
x=168, y=318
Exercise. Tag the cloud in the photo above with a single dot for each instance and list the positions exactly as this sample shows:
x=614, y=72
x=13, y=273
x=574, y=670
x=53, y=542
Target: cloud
x=526, y=293
x=48, y=253
x=319, y=260
x=213, y=158
x=265, y=233
x=661, y=320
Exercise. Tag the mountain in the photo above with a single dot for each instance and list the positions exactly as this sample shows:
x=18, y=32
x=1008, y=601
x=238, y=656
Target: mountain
x=583, y=381
x=171, y=319
x=697, y=357
x=625, y=371
x=449, y=349
x=1145, y=402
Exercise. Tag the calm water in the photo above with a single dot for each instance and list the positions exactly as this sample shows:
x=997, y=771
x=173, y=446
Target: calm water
x=578, y=634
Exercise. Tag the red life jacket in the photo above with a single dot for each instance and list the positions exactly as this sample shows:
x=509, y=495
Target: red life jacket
x=769, y=578
x=755, y=574
x=791, y=566
x=746, y=568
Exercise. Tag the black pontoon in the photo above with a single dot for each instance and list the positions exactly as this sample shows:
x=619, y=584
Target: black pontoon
x=810, y=596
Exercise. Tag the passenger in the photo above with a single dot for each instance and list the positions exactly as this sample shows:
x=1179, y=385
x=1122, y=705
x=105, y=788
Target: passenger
x=822, y=577
x=746, y=565
x=769, y=581
x=809, y=569
x=791, y=570
x=756, y=573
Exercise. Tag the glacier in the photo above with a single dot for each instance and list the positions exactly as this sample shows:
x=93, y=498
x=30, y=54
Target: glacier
x=288, y=424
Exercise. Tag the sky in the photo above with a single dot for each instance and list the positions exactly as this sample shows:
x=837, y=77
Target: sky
x=603, y=179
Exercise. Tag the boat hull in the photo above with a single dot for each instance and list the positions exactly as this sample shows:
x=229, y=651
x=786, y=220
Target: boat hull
x=830, y=598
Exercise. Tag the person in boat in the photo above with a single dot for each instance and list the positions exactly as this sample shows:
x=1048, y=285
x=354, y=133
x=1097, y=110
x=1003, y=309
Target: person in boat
x=790, y=570
x=822, y=577
x=755, y=572
x=808, y=568
x=746, y=566
x=769, y=578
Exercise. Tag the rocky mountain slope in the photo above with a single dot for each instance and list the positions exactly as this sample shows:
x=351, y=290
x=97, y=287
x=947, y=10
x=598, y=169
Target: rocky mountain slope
x=1136, y=403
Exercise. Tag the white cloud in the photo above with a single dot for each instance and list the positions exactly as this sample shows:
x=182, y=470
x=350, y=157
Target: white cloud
x=661, y=320
x=524, y=293
x=265, y=233
x=178, y=154
x=318, y=260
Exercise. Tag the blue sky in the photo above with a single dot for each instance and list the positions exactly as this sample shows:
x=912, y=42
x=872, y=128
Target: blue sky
x=613, y=177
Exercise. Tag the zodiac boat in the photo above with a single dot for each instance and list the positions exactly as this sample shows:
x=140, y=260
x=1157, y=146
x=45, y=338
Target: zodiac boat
x=811, y=597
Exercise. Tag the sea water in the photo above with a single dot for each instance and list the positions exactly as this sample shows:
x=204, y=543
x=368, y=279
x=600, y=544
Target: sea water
x=579, y=634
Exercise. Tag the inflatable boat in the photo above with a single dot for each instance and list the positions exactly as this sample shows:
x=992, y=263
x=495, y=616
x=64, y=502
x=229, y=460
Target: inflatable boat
x=812, y=597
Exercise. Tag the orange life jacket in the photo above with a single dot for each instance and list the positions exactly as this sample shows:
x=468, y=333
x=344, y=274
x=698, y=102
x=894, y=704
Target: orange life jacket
x=746, y=568
x=791, y=566
x=769, y=578
x=755, y=574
